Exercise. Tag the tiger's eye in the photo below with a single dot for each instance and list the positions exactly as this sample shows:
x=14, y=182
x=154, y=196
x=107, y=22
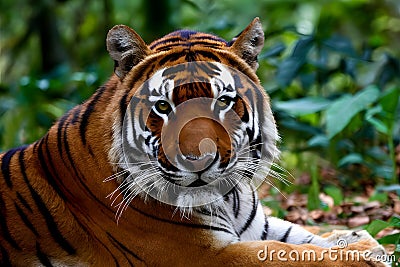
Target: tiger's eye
x=224, y=101
x=163, y=107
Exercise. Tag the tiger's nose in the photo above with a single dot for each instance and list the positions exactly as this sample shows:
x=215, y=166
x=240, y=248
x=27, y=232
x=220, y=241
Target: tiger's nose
x=199, y=144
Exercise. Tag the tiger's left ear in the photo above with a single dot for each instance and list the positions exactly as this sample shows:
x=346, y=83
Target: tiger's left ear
x=248, y=43
x=126, y=48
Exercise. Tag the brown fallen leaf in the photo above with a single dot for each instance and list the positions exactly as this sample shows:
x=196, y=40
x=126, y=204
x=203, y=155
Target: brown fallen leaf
x=387, y=231
x=316, y=215
x=295, y=200
x=357, y=209
x=357, y=221
x=372, y=205
x=396, y=206
x=293, y=216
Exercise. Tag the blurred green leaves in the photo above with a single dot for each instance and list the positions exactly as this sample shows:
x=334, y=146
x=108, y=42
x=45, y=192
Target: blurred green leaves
x=340, y=113
x=32, y=105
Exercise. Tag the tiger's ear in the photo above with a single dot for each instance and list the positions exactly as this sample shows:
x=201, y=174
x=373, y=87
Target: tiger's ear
x=248, y=43
x=126, y=48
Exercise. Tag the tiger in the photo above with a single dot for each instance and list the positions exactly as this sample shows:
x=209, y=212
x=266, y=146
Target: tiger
x=159, y=167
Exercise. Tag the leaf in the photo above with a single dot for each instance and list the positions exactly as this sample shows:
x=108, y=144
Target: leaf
x=382, y=116
x=319, y=140
x=376, y=226
x=274, y=51
x=290, y=67
x=389, y=70
x=353, y=158
x=390, y=99
x=340, y=113
x=379, y=196
x=335, y=193
x=388, y=188
x=305, y=129
x=378, y=124
x=395, y=221
x=313, y=201
x=341, y=44
x=303, y=106
x=288, y=70
x=390, y=239
x=303, y=46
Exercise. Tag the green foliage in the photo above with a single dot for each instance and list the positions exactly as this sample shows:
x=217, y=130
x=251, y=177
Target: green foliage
x=341, y=111
x=335, y=193
x=378, y=225
x=314, y=202
x=32, y=105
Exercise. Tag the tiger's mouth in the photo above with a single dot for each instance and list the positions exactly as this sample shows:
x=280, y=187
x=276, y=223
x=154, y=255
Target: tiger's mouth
x=198, y=164
x=198, y=183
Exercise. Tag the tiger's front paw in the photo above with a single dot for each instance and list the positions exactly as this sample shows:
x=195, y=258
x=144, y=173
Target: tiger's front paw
x=359, y=241
x=344, y=237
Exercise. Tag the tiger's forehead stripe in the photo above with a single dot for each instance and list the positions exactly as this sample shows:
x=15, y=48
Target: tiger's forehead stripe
x=187, y=38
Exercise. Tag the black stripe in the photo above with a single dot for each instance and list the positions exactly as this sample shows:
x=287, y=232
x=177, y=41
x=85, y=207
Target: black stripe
x=286, y=235
x=5, y=258
x=4, y=228
x=26, y=220
x=309, y=239
x=236, y=202
x=166, y=40
x=76, y=113
x=251, y=216
x=190, y=225
x=51, y=224
x=205, y=43
x=123, y=106
x=186, y=45
x=78, y=175
x=265, y=231
x=69, y=155
x=42, y=257
x=24, y=202
x=121, y=246
x=46, y=164
x=5, y=164
x=179, y=39
x=89, y=109
x=36, y=144
x=209, y=37
x=228, y=223
x=59, y=132
x=172, y=57
x=87, y=230
x=210, y=55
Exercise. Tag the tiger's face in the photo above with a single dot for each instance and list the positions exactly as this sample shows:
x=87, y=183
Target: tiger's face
x=199, y=125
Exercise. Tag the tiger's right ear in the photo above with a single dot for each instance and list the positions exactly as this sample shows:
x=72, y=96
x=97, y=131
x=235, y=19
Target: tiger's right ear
x=126, y=48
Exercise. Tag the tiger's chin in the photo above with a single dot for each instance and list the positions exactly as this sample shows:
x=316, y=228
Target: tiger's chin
x=200, y=198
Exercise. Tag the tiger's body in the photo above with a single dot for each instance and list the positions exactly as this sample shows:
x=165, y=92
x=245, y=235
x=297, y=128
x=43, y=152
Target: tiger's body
x=54, y=210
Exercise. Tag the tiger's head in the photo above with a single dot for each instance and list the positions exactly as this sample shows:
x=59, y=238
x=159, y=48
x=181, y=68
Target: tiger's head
x=194, y=120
